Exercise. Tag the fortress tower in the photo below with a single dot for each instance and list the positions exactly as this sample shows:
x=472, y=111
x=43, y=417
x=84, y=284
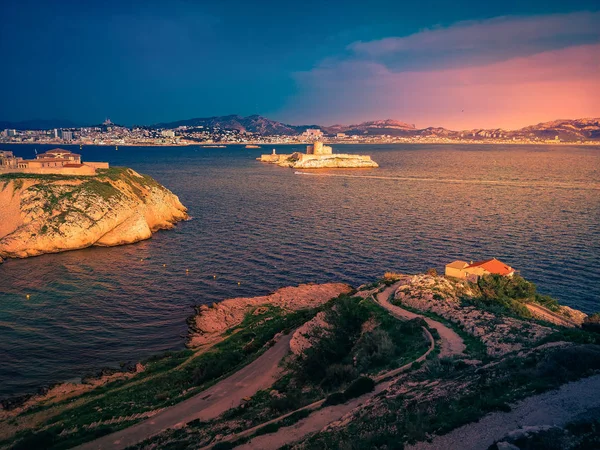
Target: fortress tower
x=318, y=149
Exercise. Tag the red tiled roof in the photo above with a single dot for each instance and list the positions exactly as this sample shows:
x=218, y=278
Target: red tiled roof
x=493, y=266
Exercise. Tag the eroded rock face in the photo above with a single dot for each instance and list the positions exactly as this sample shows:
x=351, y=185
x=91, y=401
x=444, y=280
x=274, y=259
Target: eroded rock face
x=49, y=214
x=209, y=322
x=303, y=337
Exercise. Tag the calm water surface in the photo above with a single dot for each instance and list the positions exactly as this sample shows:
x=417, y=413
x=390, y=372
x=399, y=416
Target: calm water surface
x=537, y=208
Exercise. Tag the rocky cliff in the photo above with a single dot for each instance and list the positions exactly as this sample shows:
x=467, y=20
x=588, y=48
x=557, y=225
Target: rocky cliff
x=52, y=213
x=209, y=323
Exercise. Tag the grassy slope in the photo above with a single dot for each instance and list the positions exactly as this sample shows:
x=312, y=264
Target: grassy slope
x=165, y=382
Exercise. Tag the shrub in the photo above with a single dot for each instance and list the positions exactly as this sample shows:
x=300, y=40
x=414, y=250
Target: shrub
x=338, y=374
x=374, y=349
x=433, y=272
x=269, y=428
x=337, y=398
x=293, y=399
x=223, y=446
x=345, y=320
x=359, y=387
x=592, y=323
x=509, y=294
x=569, y=363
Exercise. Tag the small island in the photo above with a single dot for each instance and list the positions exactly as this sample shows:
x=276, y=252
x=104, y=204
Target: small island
x=56, y=203
x=319, y=156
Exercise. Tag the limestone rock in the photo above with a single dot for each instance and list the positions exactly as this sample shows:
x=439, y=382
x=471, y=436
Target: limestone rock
x=48, y=214
x=209, y=323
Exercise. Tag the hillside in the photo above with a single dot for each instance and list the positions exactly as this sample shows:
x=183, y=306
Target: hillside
x=375, y=127
x=408, y=361
x=566, y=130
x=251, y=124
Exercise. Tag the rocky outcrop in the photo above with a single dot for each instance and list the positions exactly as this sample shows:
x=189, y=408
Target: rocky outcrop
x=210, y=322
x=442, y=296
x=52, y=213
x=304, y=337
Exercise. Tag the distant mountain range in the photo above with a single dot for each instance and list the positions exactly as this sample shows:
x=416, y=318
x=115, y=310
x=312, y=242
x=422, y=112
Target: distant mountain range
x=251, y=124
x=565, y=129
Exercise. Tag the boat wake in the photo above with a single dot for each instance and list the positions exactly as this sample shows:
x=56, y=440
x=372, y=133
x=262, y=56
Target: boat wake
x=523, y=184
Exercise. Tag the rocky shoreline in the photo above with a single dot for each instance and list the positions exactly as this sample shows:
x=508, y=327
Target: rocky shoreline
x=349, y=366
x=209, y=323
x=53, y=213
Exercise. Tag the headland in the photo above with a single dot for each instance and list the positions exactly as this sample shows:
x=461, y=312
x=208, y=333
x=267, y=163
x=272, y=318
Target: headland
x=407, y=361
x=49, y=209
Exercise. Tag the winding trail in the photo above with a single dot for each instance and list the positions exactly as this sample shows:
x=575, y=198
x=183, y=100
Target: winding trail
x=452, y=344
x=208, y=404
x=320, y=418
x=551, y=408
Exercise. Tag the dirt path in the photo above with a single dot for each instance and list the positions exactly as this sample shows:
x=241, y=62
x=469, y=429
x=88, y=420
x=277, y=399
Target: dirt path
x=551, y=408
x=315, y=422
x=539, y=312
x=452, y=344
x=226, y=394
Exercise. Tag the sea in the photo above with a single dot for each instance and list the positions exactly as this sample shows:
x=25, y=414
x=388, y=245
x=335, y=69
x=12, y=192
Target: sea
x=256, y=227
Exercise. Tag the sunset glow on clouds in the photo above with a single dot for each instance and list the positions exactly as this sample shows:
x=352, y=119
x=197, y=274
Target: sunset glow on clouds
x=503, y=72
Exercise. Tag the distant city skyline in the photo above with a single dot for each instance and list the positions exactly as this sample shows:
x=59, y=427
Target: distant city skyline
x=464, y=66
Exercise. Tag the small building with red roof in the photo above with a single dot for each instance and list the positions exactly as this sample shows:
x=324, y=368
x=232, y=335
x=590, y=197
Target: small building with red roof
x=473, y=270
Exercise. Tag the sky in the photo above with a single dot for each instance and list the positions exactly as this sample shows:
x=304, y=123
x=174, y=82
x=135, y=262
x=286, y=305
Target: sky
x=460, y=65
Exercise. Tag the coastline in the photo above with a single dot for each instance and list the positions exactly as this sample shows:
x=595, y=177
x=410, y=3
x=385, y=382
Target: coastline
x=423, y=309
x=260, y=143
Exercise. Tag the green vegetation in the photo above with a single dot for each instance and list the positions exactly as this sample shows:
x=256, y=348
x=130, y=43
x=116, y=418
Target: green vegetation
x=42, y=177
x=475, y=347
x=475, y=392
x=358, y=387
x=164, y=383
x=360, y=338
x=508, y=295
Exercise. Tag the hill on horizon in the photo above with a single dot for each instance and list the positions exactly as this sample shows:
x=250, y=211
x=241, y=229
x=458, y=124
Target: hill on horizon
x=565, y=129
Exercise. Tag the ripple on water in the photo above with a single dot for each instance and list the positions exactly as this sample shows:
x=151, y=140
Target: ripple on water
x=264, y=227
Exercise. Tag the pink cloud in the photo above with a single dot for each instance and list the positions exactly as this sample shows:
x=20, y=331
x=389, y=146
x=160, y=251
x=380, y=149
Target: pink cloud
x=510, y=94
x=500, y=33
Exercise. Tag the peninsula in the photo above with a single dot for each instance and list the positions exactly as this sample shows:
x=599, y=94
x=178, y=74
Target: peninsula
x=473, y=360
x=47, y=207
x=319, y=156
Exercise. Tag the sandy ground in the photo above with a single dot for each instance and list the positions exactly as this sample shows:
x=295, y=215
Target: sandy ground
x=452, y=344
x=551, y=408
x=226, y=394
